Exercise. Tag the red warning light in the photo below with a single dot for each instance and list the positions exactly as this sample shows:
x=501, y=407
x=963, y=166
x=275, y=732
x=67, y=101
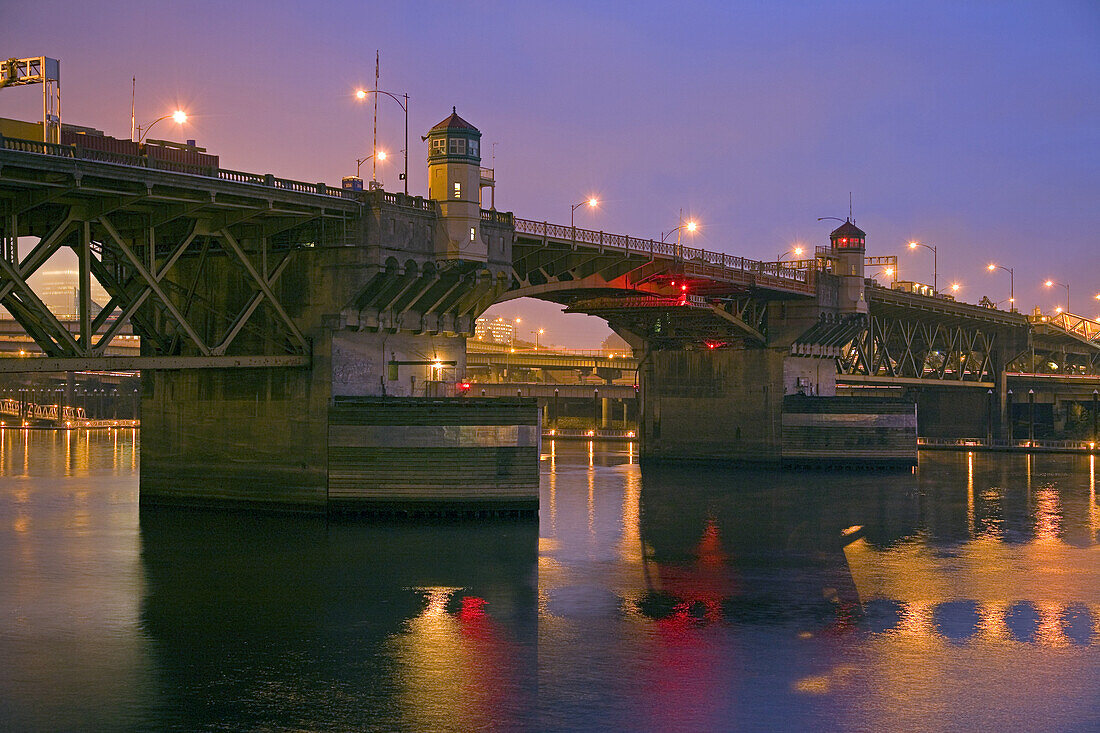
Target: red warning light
x=684, y=287
x=463, y=386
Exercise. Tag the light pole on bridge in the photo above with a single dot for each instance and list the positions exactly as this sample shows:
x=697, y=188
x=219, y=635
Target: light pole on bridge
x=935, y=265
x=993, y=267
x=690, y=225
x=797, y=252
x=591, y=202
x=380, y=156
x=179, y=116
x=1052, y=283
x=361, y=94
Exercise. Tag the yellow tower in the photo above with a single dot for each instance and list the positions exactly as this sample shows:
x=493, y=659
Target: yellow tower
x=454, y=180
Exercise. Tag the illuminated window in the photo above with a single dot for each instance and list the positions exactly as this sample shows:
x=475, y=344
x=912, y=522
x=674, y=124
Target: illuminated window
x=458, y=146
x=458, y=190
x=473, y=234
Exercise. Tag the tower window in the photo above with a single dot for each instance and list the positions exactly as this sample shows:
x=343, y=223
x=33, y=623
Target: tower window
x=473, y=234
x=439, y=145
x=458, y=146
x=472, y=147
x=458, y=190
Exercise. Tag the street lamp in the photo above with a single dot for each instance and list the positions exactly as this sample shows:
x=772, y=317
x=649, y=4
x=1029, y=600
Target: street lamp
x=361, y=94
x=179, y=117
x=1052, y=283
x=591, y=202
x=955, y=287
x=538, y=333
x=797, y=252
x=935, y=266
x=380, y=156
x=993, y=267
x=690, y=225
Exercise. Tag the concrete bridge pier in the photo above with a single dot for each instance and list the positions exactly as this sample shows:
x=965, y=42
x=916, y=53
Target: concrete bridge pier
x=723, y=404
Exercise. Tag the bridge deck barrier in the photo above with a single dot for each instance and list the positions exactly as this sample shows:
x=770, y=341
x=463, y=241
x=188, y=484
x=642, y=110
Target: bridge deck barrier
x=1000, y=444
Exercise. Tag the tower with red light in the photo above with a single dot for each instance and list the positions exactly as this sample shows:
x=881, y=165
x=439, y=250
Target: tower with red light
x=848, y=244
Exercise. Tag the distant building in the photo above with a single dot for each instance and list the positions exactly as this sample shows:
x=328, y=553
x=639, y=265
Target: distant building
x=59, y=292
x=496, y=330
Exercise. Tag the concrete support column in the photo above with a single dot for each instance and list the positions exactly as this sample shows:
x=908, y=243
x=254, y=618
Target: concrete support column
x=605, y=412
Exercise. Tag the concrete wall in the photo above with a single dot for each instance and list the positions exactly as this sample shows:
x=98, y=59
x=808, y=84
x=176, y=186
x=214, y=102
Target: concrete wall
x=361, y=362
x=952, y=412
x=809, y=376
x=234, y=436
x=716, y=405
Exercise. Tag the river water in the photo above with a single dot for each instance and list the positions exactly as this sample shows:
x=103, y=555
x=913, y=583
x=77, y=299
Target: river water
x=962, y=596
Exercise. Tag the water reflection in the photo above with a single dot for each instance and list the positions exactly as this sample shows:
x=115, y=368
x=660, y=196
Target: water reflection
x=693, y=595
x=320, y=625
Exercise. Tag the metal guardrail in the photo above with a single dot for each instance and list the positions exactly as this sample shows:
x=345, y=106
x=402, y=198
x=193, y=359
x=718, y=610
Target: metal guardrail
x=1003, y=444
x=1081, y=327
x=783, y=276
x=137, y=161
x=593, y=434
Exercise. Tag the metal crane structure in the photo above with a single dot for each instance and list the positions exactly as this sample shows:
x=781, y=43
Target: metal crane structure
x=38, y=70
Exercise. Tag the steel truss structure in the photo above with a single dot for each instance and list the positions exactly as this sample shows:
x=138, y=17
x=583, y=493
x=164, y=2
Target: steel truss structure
x=195, y=266
x=918, y=349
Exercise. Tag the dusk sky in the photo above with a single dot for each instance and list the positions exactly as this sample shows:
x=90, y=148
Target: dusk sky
x=971, y=126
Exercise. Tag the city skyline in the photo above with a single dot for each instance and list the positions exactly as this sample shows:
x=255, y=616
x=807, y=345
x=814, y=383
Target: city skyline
x=970, y=131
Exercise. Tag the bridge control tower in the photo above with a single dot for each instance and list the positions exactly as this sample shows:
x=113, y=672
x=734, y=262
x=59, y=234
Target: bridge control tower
x=849, y=244
x=454, y=180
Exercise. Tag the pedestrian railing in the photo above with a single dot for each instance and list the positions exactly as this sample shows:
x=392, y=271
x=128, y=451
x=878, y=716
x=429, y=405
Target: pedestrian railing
x=1004, y=444
x=768, y=272
x=590, y=434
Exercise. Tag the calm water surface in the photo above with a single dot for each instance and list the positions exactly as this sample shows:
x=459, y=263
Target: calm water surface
x=964, y=596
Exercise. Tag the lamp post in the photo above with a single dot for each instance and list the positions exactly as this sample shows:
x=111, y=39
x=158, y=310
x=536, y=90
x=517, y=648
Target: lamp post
x=591, y=202
x=380, y=155
x=1052, y=283
x=361, y=94
x=538, y=333
x=993, y=267
x=179, y=116
x=690, y=225
x=935, y=266
x=797, y=252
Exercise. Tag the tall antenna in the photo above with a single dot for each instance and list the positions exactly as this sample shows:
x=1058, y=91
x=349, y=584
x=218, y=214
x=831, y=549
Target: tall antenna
x=133, y=117
x=849, y=205
x=374, y=146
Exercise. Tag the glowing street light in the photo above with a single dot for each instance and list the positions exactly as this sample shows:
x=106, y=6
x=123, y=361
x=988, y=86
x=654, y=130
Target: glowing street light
x=538, y=333
x=796, y=251
x=1053, y=283
x=361, y=95
x=179, y=117
x=993, y=267
x=691, y=225
x=935, y=266
x=591, y=202
x=380, y=156
x=955, y=287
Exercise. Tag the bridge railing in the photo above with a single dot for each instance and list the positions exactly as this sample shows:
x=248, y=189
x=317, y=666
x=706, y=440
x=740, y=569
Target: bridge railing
x=1002, y=443
x=140, y=161
x=766, y=273
x=1079, y=326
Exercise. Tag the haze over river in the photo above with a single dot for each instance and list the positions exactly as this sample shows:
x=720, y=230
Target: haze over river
x=962, y=596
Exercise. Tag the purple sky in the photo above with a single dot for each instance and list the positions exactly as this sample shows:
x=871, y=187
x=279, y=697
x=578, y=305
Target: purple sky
x=972, y=126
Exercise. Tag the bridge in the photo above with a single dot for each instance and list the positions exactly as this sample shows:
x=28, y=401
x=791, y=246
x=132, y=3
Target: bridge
x=281, y=321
